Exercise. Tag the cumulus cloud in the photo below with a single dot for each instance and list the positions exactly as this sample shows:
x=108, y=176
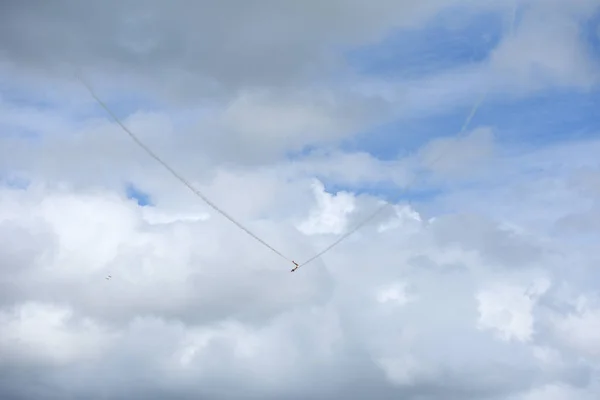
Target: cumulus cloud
x=198, y=303
x=483, y=289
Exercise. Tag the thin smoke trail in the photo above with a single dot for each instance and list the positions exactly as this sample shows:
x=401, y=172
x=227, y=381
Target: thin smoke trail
x=174, y=173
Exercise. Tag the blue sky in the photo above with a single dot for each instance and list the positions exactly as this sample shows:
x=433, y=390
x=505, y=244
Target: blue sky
x=449, y=41
x=537, y=119
x=142, y=198
x=542, y=118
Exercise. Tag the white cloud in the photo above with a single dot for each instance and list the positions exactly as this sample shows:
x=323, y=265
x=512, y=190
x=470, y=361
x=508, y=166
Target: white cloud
x=42, y=334
x=508, y=309
x=557, y=392
x=329, y=214
x=577, y=329
x=215, y=305
x=395, y=293
x=403, y=371
x=457, y=155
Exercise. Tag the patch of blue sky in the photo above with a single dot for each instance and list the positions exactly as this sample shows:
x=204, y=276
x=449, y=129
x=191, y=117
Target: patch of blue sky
x=385, y=191
x=591, y=34
x=538, y=120
x=451, y=40
x=401, y=138
x=142, y=198
x=544, y=119
x=14, y=181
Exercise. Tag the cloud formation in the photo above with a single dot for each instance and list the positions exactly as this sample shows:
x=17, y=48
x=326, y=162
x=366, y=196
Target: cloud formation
x=479, y=281
x=228, y=44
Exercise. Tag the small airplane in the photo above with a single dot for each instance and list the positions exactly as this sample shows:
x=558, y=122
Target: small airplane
x=108, y=277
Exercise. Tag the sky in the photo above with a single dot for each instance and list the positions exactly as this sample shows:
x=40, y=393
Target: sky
x=474, y=121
